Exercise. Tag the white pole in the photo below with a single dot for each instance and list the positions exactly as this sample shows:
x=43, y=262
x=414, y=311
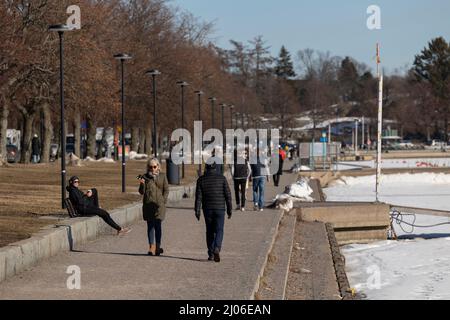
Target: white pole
x=353, y=139
x=329, y=133
x=356, y=137
x=363, y=141
x=380, y=130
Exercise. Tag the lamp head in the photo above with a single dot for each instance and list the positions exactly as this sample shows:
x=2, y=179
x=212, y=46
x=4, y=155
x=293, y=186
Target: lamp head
x=153, y=72
x=122, y=56
x=182, y=83
x=59, y=28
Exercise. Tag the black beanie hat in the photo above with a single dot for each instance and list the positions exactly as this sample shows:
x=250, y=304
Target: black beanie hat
x=72, y=179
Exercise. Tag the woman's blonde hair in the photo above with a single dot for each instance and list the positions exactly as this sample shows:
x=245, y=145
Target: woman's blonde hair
x=153, y=160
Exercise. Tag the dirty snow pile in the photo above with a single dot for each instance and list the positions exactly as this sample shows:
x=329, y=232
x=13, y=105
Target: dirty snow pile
x=296, y=192
x=137, y=156
x=296, y=168
x=105, y=160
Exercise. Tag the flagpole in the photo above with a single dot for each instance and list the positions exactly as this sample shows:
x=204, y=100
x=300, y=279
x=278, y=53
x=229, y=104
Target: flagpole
x=380, y=123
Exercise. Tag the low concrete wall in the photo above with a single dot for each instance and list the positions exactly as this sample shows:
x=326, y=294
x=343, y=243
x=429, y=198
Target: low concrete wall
x=352, y=222
x=66, y=234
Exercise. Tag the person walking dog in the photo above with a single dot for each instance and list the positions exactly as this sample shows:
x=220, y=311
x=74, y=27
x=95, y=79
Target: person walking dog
x=87, y=204
x=213, y=195
x=155, y=189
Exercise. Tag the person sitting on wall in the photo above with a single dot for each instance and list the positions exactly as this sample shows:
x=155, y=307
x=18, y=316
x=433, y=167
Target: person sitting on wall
x=87, y=204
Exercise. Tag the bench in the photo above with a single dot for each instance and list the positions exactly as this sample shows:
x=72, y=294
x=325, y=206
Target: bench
x=70, y=208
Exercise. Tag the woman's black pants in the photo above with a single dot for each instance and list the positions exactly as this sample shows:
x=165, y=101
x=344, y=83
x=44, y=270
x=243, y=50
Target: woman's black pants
x=94, y=209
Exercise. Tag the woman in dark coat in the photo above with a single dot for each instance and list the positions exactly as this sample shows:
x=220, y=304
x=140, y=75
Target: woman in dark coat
x=155, y=189
x=87, y=204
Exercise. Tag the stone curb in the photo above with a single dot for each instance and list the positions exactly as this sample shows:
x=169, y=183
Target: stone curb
x=66, y=234
x=339, y=266
x=262, y=261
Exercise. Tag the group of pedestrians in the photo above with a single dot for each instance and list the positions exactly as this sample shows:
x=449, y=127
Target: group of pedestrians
x=258, y=173
x=212, y=196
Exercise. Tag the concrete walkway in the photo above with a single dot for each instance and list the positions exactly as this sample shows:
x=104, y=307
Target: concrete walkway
x=118, y=267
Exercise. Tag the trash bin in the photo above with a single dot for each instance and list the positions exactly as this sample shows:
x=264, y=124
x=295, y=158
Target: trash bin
x=173, y=172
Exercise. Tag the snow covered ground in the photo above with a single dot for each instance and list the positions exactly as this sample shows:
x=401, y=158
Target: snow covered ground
x=418, y=265
x=421, y=190
x=398, y=163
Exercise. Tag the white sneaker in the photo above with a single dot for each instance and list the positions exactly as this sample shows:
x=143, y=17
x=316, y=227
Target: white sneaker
x=255, y=207
x=242, y=209
x=124, y=231
x=261, y=210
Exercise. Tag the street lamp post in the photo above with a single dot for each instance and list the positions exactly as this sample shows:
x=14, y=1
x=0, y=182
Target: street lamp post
x=213, y=100
x=61, y=28
x=182, y=84
x=231, y=117
x=223, y=105
x=199, y=95
x=122, y=57
x=154, y=73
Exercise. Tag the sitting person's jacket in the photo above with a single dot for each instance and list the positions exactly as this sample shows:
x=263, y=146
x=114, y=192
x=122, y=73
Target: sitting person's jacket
x=79, y=200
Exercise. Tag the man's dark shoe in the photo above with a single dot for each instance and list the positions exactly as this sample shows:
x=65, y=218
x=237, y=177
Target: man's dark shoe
x=150, y=253
x=216, y=256
x=210, y=258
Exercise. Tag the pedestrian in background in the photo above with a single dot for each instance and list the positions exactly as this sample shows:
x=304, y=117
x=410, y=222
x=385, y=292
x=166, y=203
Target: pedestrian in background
x=241, y=172
x=260, y=173
x=35, y=149
x=279, y=173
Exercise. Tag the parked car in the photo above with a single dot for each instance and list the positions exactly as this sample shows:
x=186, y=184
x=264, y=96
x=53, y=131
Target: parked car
x=12, y=153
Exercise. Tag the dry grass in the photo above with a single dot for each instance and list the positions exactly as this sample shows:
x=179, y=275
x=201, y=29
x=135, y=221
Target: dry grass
x=28, y=192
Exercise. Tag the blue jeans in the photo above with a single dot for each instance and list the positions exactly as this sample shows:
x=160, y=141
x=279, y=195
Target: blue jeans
x=258, y=191
x=215, y=220
x=154, y=231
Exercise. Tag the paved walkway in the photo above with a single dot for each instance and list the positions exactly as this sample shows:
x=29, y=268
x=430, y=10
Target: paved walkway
x=118, y=267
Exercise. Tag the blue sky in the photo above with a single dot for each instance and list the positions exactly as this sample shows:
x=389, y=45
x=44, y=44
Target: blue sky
x=338, y=26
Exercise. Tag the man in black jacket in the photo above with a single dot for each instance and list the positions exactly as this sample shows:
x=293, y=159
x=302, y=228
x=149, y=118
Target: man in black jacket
x=214, y=196
x=87, y=204
x=241, y=172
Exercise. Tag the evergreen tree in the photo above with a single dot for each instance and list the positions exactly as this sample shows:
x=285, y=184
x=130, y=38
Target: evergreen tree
x=433, y=67
x=348, y=78
x=284, y=67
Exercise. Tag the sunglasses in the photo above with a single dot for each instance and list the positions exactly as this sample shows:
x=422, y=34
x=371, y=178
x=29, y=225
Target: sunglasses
x=153, y=167
x=76, y=181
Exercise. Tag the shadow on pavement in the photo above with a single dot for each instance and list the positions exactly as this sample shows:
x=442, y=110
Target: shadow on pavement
x=140, y=255
x=180, y=207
